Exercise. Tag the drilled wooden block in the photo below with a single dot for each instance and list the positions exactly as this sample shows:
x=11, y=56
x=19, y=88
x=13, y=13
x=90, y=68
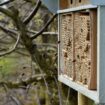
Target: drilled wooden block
x=78, y=47
x=82, y=47
x=71, y=3
x=64, y=4
x=66, y=37
x=79, y=2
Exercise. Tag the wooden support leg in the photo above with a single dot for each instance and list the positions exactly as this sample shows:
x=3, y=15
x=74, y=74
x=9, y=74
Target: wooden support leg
x=82, y=100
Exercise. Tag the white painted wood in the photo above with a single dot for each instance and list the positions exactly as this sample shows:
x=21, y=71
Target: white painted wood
x=101, y=54
x=89, y=93
x=77, y=8
x=98, y=2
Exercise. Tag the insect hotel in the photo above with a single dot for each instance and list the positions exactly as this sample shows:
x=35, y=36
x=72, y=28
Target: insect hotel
x=81, y=49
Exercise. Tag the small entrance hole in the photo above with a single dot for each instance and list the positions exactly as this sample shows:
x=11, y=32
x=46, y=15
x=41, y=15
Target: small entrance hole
x=71, y=1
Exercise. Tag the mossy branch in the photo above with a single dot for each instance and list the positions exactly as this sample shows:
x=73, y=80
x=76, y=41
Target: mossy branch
x=22, y=83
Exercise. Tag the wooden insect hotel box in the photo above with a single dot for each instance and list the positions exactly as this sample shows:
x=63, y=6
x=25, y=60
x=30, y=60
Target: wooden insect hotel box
x=81, y=48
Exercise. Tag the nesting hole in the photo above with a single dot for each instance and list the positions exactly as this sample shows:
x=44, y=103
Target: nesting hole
x=71, y=1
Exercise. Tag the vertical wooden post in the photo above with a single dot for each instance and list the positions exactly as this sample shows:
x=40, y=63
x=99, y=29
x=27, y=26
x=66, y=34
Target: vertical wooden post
x=82, y=100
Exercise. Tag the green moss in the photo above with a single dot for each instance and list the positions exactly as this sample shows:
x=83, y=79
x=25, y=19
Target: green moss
x=6, y=66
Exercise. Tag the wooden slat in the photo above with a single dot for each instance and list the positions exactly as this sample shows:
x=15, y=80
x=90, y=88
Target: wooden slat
x=93, y=77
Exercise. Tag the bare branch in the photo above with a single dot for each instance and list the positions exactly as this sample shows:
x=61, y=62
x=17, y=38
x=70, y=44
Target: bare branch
x=33, y=13
x=10, y=95
x=12, y=33
x=7, y=12
x=46, y=25
x=6, y=2
x=2, y=37
x=68, y=95
x=30, y=1
x=17, y=102
x=37, y=96
x=13, y=49
x=23, y=83
x=22, y=53
x=44, y=33
x=59, y=92
x=6, y=30
x=45, y=81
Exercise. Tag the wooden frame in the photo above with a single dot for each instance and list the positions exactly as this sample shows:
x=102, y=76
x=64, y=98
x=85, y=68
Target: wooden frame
x=71, y=25
x=99, y=94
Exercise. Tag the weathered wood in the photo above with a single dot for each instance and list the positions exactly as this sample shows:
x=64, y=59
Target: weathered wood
x=93, y=78
x=82, y=100
x=64, y=4
x=71, y=3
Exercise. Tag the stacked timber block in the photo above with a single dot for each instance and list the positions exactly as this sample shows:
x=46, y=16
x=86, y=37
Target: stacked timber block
x=78, y=46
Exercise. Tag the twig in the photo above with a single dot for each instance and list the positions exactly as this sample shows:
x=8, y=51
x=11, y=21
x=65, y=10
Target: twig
x=14, y=32
x=44, y=33
x=6, y=2
x=45, y=80
x=13, y=48
x=47, y=45
x=22, y=83
x=11, y=32
x=37, y=97
x=22, y=53
x=33, y=13
x=8, y=12
x=3, y=37
x=17, y=102
x=59, y=92
x=46, y=25
x=6, y=30
x=12, y=97
x=68, y=95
